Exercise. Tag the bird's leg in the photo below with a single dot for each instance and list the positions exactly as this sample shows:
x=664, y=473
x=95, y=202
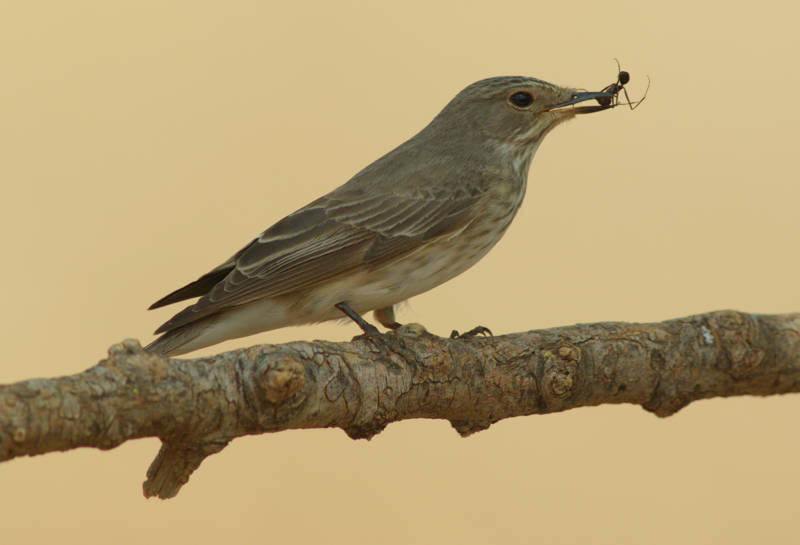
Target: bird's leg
x=477, y=330
x=385, y=343
x=368, y=329
x=386, y=318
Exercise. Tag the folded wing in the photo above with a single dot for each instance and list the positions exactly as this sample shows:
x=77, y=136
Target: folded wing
x=330, y=237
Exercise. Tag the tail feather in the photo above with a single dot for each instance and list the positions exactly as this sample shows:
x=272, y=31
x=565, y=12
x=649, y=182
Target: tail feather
x=180, y=340
x=241, y=321
x=198, y=288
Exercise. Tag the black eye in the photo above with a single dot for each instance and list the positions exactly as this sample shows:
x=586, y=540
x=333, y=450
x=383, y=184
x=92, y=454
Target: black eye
x=521, y=99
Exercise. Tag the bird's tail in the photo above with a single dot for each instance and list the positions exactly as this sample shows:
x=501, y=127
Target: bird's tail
x=182, y=339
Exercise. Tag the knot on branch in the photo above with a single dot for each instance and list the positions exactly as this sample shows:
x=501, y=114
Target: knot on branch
x=126, y=347
x=738, y=336
x=128, y=355
x=20, y=434
x=283, y=379
x=466, y=428
x=560, y=368
x=366, y=430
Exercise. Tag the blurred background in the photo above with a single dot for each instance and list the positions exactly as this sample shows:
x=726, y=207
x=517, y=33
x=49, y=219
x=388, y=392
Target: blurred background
x=142, y=143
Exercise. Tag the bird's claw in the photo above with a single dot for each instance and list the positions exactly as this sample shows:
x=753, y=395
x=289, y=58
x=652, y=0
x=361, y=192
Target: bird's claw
x=389, y=344
x=385, y=343
x=478, y=330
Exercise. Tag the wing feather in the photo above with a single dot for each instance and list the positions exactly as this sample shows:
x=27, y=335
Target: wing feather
x=329, y=238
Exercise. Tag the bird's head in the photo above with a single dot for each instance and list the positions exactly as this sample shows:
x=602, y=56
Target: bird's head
x=512, y=113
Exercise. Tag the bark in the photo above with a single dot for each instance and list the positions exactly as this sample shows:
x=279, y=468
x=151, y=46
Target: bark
x=196, y=406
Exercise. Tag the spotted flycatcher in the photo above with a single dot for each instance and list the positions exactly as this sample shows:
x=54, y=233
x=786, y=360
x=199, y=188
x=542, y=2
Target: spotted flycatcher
x=415, y=218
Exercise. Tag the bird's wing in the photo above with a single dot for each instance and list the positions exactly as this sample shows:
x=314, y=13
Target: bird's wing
x=330, y=237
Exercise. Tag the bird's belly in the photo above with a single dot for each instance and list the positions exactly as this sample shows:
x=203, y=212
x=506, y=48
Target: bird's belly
x=407, y=276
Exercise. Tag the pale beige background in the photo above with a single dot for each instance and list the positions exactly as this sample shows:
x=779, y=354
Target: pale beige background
x=144, y=142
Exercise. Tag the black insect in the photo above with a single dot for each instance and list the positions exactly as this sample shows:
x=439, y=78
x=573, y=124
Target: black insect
x=613, y=90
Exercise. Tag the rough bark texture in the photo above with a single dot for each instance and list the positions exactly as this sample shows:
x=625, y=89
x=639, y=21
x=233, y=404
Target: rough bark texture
x=197, y=406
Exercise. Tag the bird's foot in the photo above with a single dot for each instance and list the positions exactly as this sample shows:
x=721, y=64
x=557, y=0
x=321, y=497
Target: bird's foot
x=389, y=344
x=386, y=343
x=478, y=330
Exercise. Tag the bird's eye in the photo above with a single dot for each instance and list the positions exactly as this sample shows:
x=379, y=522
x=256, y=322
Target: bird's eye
x=521, y=99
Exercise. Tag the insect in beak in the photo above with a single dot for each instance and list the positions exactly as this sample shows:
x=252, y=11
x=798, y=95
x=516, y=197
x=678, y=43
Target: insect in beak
x=608, y=97
x=614, y=89
x=582, y=97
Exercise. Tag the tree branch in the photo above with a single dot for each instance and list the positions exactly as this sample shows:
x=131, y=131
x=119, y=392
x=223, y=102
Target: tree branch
x=197, y=406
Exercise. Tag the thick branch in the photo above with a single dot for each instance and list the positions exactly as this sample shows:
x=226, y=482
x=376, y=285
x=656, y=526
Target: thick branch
x=197, y=406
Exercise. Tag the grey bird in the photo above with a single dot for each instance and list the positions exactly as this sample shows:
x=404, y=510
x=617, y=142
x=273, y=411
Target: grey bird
x=415, y=218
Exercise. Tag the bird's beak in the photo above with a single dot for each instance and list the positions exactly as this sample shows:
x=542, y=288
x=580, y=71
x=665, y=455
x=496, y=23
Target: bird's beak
x=582, y=97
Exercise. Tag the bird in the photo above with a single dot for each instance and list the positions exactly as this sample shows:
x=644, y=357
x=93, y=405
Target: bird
x=416, y=217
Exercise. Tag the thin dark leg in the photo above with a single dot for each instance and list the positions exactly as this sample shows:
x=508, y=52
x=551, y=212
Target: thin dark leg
x=365, y=326
x=384, y=343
